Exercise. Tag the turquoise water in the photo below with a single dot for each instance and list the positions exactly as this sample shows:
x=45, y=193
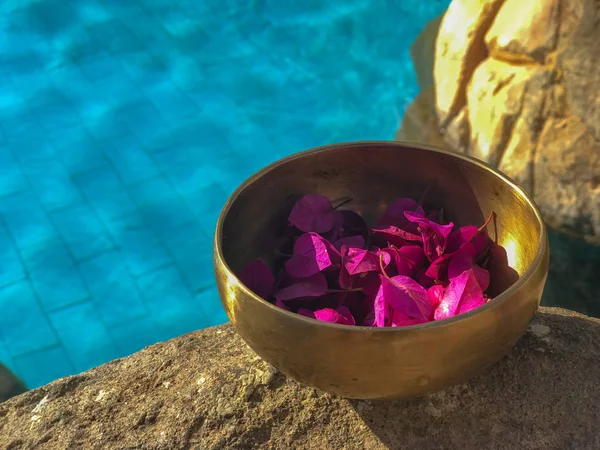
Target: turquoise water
x=125, y=125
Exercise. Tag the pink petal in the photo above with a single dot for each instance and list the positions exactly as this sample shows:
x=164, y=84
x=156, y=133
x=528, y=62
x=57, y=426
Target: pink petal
x=435, y=294
x=407, y=259
x=434, y=235
x=350, y=241
x=380, y=308
x=406, y=296
x=306, y=312
x=394, y=213
x=359, y=261
x=312, y=254
x=281, y=305
x=344, y=311
x=313, y=213
x=395, y=234
x=258, y=278
x=463, y=290
x=313, y=286
x=401, y=320
x=462, y=260
x=331, y=315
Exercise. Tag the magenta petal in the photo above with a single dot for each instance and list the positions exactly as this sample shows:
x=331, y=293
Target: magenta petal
x=394, y=213
x=313, y=213
x=435, y=294
x=408, y=259
x=359, y=261
x=406, y=296
x=435, y=236
x=344, y=311
x=393, y=233
x=380, y=308
x=306, y=313
x=402, y=320
x=462, y=260
x=258, y=278
x=331, y=315
x=313, y=286
x=350, y=241
x=463, y=290
x=312, y=254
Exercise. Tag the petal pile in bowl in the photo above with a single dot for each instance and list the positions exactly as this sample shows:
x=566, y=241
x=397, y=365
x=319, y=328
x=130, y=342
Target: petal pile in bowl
x=411, y=268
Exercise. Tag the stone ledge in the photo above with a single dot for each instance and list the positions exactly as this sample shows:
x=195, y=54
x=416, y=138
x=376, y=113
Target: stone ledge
x=207, y=390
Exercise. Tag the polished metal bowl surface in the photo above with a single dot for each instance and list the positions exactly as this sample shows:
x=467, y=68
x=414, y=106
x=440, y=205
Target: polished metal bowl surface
x=362, y=362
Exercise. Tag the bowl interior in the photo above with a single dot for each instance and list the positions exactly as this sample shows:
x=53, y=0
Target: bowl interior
x=373, y=175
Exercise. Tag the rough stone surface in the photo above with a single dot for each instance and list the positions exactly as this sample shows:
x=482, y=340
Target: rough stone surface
x=517, y=84
x=207, y=390
x=527, y=37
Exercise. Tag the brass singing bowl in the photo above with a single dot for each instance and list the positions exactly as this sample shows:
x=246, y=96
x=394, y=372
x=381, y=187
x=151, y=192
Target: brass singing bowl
x=363, y=362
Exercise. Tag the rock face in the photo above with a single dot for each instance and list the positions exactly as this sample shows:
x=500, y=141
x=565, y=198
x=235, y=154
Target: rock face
x=517, y=84
x=207, y=390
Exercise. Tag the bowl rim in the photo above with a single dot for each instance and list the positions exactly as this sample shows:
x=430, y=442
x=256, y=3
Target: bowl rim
x=504, y=296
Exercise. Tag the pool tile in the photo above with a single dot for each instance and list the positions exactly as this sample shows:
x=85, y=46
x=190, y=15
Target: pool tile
x=83, y=232
x=114, y=35
x=152, y=190
x=192, y=251
x=171, y=102
x=137, y=244
x=130, y=160
x=12, y=267
x=77, y=149
x=24, y=325
x=26, y=219
x=169, y=302
x=43, y=366
x=206, y=204
x=164, y=215
x=113, y=290
x=106, y=193
x=87, y=346
x=209, y=304
x=52, y=183
x=12, y=180
x=54, y=275
x=133, y=336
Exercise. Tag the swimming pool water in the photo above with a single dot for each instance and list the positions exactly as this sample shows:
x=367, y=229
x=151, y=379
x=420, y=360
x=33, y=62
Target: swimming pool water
x=125, y=125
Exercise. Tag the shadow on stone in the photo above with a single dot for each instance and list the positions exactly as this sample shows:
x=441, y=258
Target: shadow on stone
x=10, y=385
x=544, y=394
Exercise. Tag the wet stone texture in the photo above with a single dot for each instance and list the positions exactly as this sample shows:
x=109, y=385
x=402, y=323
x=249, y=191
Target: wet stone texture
x=207, y=390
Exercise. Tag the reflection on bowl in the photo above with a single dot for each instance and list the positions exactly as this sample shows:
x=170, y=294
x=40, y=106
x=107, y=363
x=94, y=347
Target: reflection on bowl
x=361, y=362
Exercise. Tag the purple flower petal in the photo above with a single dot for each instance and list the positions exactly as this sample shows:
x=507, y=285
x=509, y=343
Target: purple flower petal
x=407, y=259
x=258, y=278
x=402, y=320
x=434, y=235
x=350, y=241
x=313, y=286
x=435, y=294
x=331, y=315
x=358, y=261
x=406, y=296
x=461, y=295
x=306, y=312
x=394, y=213
x=381, y=308
x=312, y=254
x=395, y=234
x=463, y=260
x=313, y=213
x=344, y=311
x=281, y=305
